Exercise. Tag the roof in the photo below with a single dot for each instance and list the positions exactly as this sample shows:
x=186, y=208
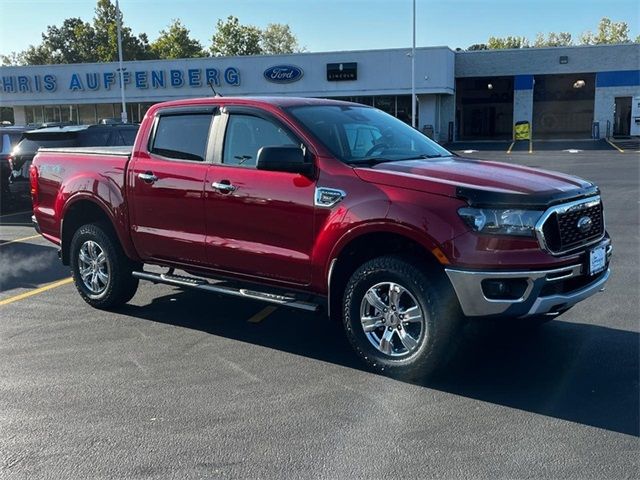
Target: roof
x=78, y=128
x=281, y=102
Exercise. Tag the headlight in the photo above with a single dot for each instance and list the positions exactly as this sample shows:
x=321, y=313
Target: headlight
x=501, y=221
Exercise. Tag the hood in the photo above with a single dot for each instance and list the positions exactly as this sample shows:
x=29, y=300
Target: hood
x=480, y=182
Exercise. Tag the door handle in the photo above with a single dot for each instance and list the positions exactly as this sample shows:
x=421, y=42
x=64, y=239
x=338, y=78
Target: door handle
x=148, y=177
x=224, y=186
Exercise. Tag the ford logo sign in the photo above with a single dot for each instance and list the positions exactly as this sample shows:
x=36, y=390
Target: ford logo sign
x=584, y=224
x=283, y=73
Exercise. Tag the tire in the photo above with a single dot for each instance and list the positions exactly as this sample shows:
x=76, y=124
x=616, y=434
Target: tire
x=432, y=336
x=96, y=253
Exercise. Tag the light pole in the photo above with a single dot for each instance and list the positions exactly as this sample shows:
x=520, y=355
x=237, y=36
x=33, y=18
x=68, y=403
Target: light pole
x=123, y=113
x=413, y=70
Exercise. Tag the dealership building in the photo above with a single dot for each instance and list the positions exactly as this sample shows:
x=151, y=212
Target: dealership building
x=563, y=92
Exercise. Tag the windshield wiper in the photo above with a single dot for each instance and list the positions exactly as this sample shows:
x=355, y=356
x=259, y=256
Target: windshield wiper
x=370, y=161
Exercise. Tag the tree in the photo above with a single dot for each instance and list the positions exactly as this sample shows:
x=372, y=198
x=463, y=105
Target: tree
x=553, y=39
x=231, y=38
x=277, y=38
x=478, y=46
x=498, y=43
x=73, y=42
x=608, y=33
x=176, y=43
x=104, y=24
x=14, y=58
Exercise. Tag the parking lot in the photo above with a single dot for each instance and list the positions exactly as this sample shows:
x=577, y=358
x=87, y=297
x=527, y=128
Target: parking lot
x=180, y=384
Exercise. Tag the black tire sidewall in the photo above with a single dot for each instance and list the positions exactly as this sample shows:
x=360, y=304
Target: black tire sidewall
x=121, y=285
x=424, y=288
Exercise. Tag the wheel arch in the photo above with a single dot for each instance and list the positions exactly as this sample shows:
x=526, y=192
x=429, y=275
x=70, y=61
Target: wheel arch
x=84, y=209
x=360, y=246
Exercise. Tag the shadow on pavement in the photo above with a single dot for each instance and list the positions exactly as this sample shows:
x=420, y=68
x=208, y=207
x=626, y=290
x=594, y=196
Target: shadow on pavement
x=27, y=265
x=577, y=372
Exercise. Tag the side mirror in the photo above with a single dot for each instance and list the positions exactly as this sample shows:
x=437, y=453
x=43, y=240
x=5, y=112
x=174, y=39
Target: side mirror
x=289, y=158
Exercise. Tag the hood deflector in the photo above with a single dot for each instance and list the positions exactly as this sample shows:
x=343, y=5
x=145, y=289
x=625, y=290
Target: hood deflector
x=539, y=200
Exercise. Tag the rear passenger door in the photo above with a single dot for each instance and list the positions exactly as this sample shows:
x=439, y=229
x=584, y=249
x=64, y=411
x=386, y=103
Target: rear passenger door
x=166, y=187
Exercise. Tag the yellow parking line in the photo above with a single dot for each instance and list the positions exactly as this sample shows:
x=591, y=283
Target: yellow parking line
x=262, y=314
x=21, y=240
x=511, y=146
x=614, y=145
x=31, y=293
x=530, y=146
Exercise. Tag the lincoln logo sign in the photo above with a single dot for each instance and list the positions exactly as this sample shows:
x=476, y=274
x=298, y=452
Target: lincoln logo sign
x=283, y=73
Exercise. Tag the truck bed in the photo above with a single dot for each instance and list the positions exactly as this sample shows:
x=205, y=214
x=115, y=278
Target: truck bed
x=122, y=151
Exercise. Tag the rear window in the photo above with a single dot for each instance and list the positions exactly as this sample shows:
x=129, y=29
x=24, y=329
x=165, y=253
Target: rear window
x=33, y=142
x=94, y=138
x=182, y=136
x=127, y=136
x=9, y=140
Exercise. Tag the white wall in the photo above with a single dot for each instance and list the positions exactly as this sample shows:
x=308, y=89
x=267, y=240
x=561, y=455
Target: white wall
x=604, y=107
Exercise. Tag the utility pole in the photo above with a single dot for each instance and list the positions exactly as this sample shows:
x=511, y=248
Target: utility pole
x=413, y=70
x=123, y=113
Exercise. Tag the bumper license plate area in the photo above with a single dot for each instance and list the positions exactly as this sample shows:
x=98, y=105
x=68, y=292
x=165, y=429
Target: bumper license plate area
x=597, y=260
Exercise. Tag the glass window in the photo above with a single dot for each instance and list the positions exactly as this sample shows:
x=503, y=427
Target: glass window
x=182, y=136
x=105, y=110
x=365, y=135
x=87, y=114
x=94, y=137
x=246, y=134
x=33, y=141
x=126, y=136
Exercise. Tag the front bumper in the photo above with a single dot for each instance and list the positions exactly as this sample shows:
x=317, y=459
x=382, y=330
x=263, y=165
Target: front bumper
x=546, y=292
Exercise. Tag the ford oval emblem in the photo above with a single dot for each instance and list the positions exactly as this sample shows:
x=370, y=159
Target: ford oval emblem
x=584, y=224
x=283, y=73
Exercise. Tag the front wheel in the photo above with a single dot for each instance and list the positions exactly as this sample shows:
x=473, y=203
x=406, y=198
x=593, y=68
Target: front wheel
x=101, y=271
x=400, y=319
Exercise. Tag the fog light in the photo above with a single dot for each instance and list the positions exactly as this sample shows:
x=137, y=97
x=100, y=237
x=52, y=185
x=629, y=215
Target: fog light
x=504, y=288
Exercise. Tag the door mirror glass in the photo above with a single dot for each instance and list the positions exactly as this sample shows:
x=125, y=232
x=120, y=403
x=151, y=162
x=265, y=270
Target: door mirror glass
x=286, y=158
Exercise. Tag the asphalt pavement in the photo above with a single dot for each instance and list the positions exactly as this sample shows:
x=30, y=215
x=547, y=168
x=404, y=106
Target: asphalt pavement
x=181, y=384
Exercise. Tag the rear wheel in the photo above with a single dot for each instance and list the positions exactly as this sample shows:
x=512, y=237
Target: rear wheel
x=101, y=271
x=400, y=319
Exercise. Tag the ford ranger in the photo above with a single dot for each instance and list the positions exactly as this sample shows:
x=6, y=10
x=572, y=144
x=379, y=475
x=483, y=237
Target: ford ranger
x=323, y=205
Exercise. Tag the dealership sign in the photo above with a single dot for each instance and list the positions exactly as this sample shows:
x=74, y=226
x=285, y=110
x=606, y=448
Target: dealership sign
x=338, y=72
x=139, y=79
x=283, y=73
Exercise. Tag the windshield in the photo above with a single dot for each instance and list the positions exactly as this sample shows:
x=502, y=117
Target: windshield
x=356, y=134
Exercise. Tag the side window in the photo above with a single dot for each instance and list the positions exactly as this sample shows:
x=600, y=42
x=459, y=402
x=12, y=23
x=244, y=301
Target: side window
x=246, y=134
x=182, y=137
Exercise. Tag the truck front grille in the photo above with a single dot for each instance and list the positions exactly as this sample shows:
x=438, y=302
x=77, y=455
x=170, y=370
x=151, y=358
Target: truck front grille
x=561, y=230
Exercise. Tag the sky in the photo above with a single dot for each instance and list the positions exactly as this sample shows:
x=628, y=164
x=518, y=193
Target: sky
x=333, y=25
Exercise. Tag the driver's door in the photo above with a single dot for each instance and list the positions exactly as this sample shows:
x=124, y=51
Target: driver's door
x=259, y=223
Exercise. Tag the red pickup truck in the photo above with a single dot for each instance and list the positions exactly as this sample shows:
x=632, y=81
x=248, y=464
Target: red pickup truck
x=319, y=204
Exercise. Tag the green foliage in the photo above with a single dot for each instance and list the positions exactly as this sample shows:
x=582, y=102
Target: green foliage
x=498, y=43
x=277, y=38
x=608, y=33
x=231, y=38
x=176, y=43
x=106, y=40
x=553, y=39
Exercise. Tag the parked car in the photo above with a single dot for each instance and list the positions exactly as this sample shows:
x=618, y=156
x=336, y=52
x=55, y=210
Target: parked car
x=311, y=203
x=9, y=138
x=16, y=183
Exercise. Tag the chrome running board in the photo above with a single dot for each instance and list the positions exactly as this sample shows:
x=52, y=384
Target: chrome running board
x=202, y=284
